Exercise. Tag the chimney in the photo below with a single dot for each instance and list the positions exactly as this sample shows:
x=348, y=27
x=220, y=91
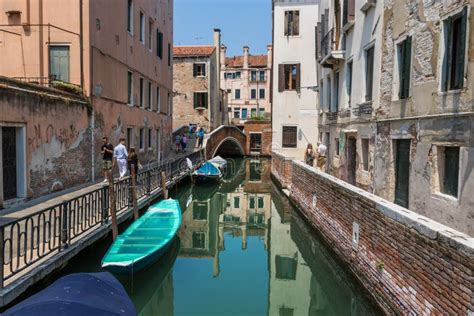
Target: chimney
x=223, y=53
x=246, y=57
x=269, y=56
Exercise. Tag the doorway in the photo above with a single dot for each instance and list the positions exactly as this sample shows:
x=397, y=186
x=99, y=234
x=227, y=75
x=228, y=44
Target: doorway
x=402, y=171
x=351, y=158
x=9, y=166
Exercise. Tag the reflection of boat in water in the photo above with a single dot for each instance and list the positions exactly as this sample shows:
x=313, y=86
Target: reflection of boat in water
x=146, y=240
x=149, y=289
x=218, y=161
x=203, y=193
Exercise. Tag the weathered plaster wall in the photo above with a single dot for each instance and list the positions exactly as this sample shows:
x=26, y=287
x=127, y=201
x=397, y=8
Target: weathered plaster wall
x=58, y=138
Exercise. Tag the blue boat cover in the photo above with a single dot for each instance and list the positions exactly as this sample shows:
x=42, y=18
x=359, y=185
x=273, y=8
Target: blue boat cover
x=208, y=169
x=80, y=294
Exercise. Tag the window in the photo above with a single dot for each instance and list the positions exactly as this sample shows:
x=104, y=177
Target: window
x=150, y=34
x=129, y=137
x=365, y=153
x=158, y=105
x=449, y=172
x=237, y=94
x=262, y=94
x=255, y=171
x=150, y=144
x=369, y=73
x=289, y=136
x=142, y=138
x=454, y=54
x=255, y=141
x=150, y=93
x=292, y=21
x=404, y=67
x=199, y=70
x=348, y=11
x=251, y=202
x=200, y=100
x=289, y=77
x=142, y=93
x=129, y=88
x=236, y=113
x=130, y=16
x=244, y=113
x=349, y=83
x=321, y=95
x=238, y=74
x=159, y=44
x=262, y=75
x=253, y=93
x=200, y=210
x=236, y=202
x=253, y=76
x=285, y=267
x=169, y=104
x=199, y=240
x=262, y=112
x=142, y=27
x=169, y=55
x=336, y=92
x=329, y=92
x=253, y=112
x=260, y=202
x=59, y=62
x=337, y=152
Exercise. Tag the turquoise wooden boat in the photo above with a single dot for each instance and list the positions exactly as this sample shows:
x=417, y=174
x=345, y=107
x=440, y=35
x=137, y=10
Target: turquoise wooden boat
x=146, y=240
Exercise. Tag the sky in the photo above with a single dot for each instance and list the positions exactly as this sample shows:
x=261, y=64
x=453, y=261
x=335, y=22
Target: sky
x=242, y=23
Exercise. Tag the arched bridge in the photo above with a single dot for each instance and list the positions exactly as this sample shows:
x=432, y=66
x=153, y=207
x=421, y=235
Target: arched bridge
x=226, y=140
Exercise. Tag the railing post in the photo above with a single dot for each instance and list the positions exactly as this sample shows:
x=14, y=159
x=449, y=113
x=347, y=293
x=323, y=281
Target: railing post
x=130, y=192
x=148, y=182
x=105, y=204
x=64, y=226
x=2, y=254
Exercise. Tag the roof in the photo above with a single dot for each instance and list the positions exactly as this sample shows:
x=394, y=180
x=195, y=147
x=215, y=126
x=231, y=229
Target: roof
x=254, y=61
x=190, y=51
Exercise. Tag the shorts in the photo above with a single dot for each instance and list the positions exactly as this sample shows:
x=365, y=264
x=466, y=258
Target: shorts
x=106, y=164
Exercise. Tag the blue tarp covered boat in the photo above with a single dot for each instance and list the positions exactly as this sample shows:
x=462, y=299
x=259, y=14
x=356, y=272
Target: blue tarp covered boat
x=207, y=173
x=78, y=294
x=146, y=240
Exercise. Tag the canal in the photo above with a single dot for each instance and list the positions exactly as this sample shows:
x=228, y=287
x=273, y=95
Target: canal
x=242, y=250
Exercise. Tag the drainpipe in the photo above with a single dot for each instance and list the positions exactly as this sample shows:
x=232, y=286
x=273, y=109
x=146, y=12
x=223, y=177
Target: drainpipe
x=81, y=43
x=40, y=38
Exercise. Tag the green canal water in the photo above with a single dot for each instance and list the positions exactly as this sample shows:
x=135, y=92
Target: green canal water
x=242, y=250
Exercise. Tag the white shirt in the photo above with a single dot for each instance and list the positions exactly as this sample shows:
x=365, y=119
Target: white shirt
x=120, y=152
x=322, y=150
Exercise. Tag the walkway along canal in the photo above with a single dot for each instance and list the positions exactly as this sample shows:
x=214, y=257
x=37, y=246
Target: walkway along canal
x=242, y=250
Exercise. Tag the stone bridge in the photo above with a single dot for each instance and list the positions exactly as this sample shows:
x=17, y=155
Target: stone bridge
x=226, y=140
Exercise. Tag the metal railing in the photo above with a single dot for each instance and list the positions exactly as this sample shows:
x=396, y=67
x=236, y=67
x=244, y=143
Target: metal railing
x=27, y=240
x=327, y=43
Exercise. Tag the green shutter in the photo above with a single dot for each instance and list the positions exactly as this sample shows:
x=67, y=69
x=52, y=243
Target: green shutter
x=160, y=45
x=461, y=51
x=447, y=53
x=206, y=100
x=405, y=68
x=194, y=70
x=196, y=100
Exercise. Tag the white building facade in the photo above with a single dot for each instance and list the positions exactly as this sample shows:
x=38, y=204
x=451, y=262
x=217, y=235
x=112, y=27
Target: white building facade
x=294, y=84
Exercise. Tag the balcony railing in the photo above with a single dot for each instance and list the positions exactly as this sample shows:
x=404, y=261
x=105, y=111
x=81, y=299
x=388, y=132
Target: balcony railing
x=330, y=52
x=363, y=109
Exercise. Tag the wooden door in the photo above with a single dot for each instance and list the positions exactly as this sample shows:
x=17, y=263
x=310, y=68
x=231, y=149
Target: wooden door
x=9, y=163
x=351, y=156
x=402, y=172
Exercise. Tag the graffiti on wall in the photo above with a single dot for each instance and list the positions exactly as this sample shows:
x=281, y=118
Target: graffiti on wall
x=40, y=136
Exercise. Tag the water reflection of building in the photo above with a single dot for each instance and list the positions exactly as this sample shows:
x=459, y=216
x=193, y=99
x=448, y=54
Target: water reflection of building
x=290, y=276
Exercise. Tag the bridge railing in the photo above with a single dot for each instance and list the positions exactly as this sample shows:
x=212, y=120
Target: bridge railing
x=31, y=239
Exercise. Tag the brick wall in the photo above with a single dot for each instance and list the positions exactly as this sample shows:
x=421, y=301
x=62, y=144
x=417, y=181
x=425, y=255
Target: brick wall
x=281, y=170
x=409, y=263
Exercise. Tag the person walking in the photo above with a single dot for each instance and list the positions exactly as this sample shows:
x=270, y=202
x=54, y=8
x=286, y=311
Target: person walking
x=190, y=131
x=133, y=161
x=200, y=135
x=177, y=142
x=321, y=151
x=309, y=155
x=184, y=142
x=107, y=151
x=121, y=156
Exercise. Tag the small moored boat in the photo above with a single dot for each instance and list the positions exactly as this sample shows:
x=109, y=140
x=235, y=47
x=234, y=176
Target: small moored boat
x=219, y=162
x=146, y=240
x=207, y=173
x=78, y=294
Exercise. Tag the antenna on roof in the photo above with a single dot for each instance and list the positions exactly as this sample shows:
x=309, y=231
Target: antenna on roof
x=198, y=38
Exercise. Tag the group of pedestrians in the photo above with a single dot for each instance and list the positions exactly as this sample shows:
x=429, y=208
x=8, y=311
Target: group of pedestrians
x=320, y=155
x=120, y=156
x=181, y=141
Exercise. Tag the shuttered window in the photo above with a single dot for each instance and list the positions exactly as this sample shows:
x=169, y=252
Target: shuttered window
x=200, y=100
x=454, y=56
x=159, y=44
x=369, y=73
x=59, y=62
x=348, y=11
x=130, y=16
x=451, y=171
x=349, y=82
x=129, y=88
x=292, y=21
x=289, y=136
x=289, y=77
x=199, y=70
x=404, y=67
x=253, y=94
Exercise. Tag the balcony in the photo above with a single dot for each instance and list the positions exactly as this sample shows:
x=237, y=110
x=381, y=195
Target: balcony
x=363, y=109
x=331, y=54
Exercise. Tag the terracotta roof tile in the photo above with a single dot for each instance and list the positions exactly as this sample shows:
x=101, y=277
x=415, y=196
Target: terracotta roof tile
x=238, y=61
x=185, y=51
